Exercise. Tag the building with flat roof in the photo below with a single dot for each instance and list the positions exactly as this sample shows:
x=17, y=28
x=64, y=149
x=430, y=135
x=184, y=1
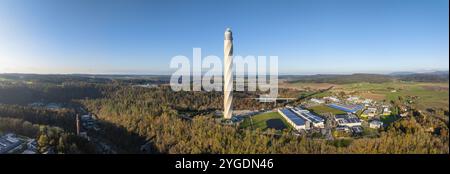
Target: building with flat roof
x=332, y=99
x=9, y=142
x=315, y=120
x=375, y=124
x=318, y=101
x=386, y=110
x=347, y=120
x=293, y=119
x=343, y=128
x=357, y=130
x=369, y=112
x=346, y=108
x=353, y=99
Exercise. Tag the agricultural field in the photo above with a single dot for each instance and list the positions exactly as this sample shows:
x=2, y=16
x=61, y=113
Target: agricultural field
x=303, y=86
x=266, y=121
x=428, y=94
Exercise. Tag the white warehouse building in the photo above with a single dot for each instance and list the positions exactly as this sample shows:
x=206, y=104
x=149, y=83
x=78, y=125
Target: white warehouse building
x=310, y=117
x=293, y=119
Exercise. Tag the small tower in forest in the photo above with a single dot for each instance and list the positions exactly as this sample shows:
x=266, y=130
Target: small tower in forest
x=78, y=124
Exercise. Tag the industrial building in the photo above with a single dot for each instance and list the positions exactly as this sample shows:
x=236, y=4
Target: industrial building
x=343, y=129
x=346, y=108
x=12, y=143
x=316, y=121
x=318, y=101
x=369, y=112
x=347, y=120
x=357, y=130
x=353, y=99
x=331, y=99
x=9, y=142
x=386, y=110
x=375, y=124
x=293, y=119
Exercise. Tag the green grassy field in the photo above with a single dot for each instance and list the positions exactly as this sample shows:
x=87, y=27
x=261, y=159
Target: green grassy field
x=266, y=120
x=322, y=94
x=429, y=94
x=320, y=109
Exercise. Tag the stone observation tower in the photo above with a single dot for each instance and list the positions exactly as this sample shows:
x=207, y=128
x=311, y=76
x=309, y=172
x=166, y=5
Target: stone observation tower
x=228, y=74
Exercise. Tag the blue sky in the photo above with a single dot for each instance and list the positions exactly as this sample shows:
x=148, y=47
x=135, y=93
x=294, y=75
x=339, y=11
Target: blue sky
x=141, y=37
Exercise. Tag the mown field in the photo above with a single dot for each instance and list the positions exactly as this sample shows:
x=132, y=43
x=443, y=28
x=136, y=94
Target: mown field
x=265, y=121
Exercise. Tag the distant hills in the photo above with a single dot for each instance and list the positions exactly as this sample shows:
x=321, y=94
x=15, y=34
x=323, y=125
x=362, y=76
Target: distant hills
x=87, y=78
x=436, y=76
x=338, y=79
x=412, y=73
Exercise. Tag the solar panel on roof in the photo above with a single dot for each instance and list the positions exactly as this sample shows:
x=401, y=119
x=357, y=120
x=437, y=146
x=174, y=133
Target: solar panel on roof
x=308, y=115
x=293, y=117
x=346, y=108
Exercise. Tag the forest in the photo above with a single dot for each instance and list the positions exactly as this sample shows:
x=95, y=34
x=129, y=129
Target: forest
x=132, y=116
x=170, y=134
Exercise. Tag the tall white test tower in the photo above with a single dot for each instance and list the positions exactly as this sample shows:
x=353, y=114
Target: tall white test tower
x=228, y=74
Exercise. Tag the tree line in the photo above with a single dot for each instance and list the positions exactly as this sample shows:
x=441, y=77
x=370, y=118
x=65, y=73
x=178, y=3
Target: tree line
x=153, y=115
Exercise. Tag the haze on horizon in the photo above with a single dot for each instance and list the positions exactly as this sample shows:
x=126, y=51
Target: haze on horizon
x=140, y=37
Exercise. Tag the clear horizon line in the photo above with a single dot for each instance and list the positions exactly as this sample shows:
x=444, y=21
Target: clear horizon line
x=168, y=74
